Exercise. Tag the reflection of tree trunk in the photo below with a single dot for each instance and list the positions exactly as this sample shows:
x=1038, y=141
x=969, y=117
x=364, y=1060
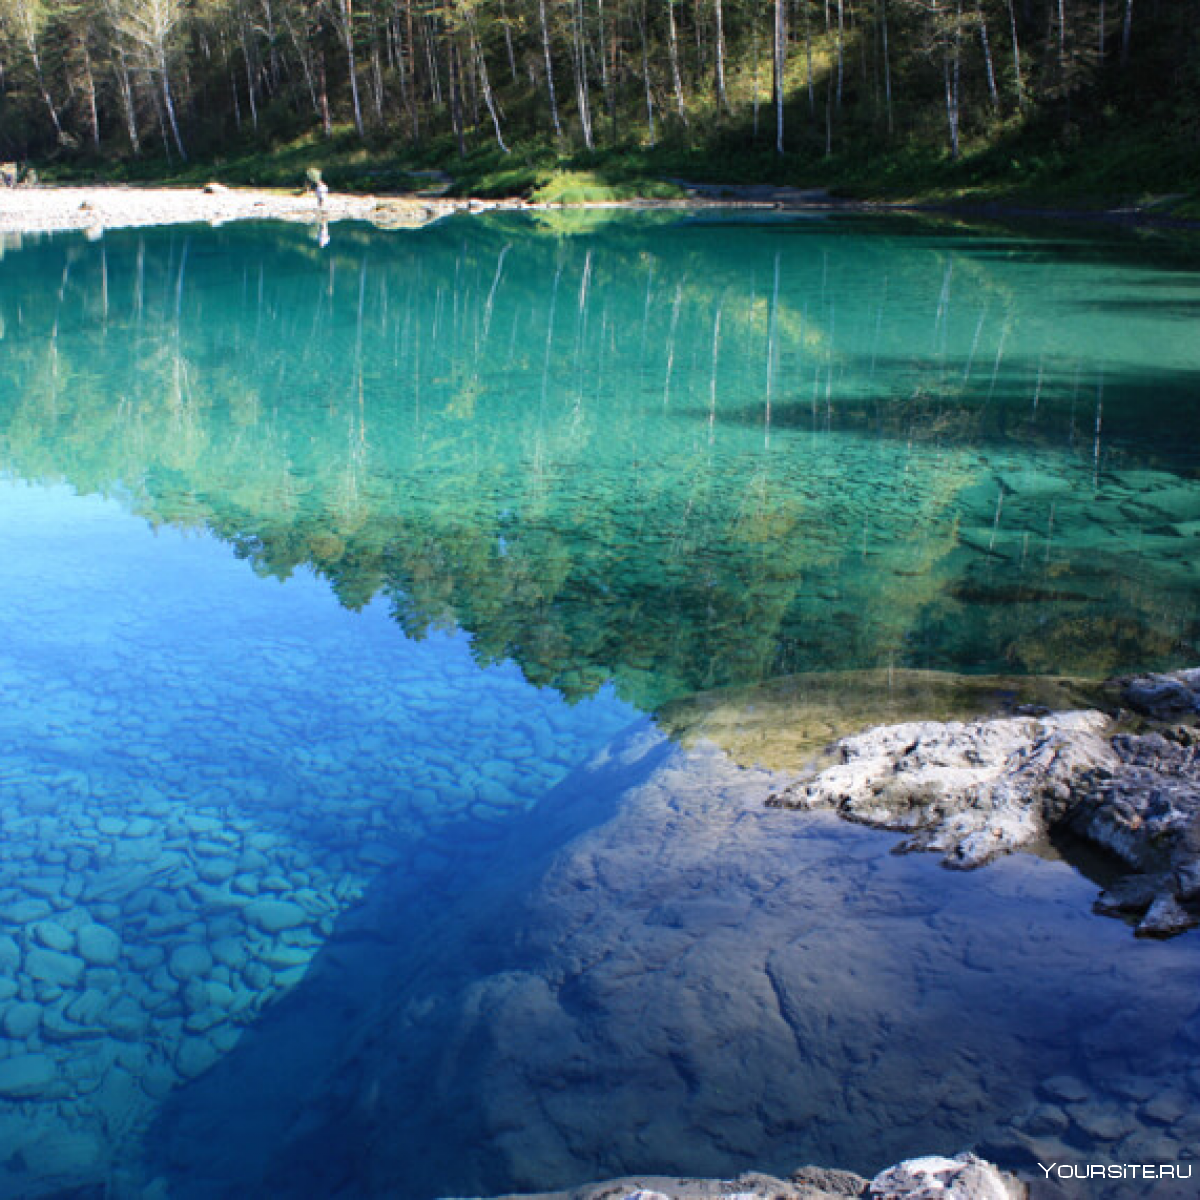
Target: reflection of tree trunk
x=1126, y=32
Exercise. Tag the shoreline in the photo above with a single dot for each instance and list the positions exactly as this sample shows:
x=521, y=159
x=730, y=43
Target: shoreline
x=91, y=209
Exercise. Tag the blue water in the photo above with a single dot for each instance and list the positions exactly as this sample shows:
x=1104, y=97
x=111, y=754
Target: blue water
x=326, y=574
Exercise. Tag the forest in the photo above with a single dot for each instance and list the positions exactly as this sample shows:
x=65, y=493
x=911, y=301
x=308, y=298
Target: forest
x=873, y=89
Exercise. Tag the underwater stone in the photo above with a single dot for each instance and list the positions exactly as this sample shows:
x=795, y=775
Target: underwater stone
x=274, y=916
x=283, y=957
x=220, y=994
x=194, y=1056
x=98, y=945
x=68, y=1154
x=8, y=988
x=195, y=995
x=231, y=951
x=158, y=1081
x=51, y=967
x=189, y=960
x=10, y=955
x=27, y=1076
x=258, y=976
x=126, y=1020
x=23, y=912
x=54, y=937
x=21, y=1020
x=88, y=1007
x=1105, y=1123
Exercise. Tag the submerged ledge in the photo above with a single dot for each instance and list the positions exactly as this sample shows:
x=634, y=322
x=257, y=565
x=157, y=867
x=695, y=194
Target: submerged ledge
x=1116, y=765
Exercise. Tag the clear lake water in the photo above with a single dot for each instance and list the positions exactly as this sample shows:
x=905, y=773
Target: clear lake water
x=325, y=572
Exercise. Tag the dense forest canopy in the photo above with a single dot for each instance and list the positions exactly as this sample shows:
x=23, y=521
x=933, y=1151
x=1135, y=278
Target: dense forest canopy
x=188, y=79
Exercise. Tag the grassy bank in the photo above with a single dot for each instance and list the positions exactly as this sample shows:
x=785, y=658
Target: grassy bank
x=1019, y=169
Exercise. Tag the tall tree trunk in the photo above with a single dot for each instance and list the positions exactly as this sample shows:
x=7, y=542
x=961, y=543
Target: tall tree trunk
x=456, y=113
x=90, y=81
x=485, y=84
x=951, y=69
x=36, y=59
x=1126, y=33
x=579, y=57
x=323, y=95
x=1016, y=45
x=251, y=87
x=125, y=88
x=722, y=99
x=841, y=49
x=642, y=16
x=993, y=90
x=887, y=68
x=347, y=32
x=549, y=69
x=673, y=49
x=170, y=104
x=779, y=63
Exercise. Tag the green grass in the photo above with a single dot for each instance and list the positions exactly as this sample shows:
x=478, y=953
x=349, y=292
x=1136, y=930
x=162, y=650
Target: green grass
x=1015, y=166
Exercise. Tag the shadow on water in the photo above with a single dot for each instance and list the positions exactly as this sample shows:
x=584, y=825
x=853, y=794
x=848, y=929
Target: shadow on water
x=422, y=935
x=654, y=973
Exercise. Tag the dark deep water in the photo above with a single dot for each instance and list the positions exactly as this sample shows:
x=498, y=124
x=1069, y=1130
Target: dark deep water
x=304, y=886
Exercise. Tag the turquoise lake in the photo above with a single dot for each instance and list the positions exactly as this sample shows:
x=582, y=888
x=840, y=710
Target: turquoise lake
x=327, y=574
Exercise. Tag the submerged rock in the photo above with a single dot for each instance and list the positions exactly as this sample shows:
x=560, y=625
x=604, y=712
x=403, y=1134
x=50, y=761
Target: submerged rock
x=971, y=790
x=975, y=790
x=27, y=1076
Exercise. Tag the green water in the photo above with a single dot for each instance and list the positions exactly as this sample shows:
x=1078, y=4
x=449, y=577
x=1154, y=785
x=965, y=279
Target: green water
x=674, y=453
x=296, y=865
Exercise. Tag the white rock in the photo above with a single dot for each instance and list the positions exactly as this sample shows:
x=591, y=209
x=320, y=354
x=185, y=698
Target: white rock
x=936, y=1178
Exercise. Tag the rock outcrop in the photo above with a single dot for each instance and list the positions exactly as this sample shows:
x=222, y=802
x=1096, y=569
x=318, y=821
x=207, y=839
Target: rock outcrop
x=964, y=1177
x=973, y=790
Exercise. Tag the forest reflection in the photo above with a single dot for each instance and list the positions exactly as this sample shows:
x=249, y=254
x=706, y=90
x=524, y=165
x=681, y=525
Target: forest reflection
x=673, y=454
